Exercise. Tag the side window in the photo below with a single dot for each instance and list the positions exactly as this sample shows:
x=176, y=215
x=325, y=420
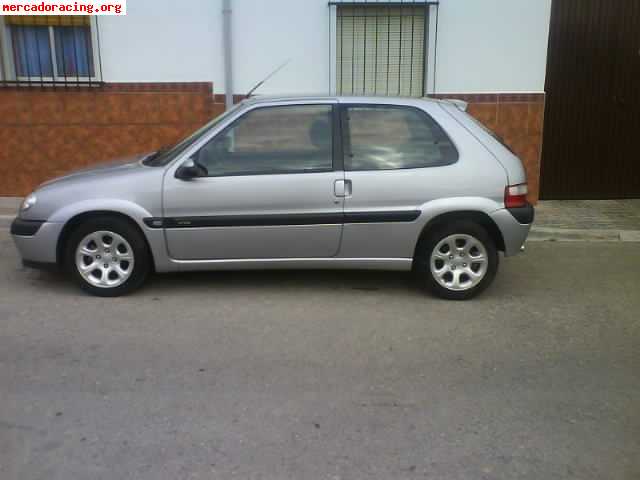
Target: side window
x=392, y=137
x=271, y=140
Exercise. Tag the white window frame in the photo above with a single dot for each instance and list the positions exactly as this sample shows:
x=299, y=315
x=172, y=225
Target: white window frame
x=8, y=62
x=430, y=53
x=431, y=56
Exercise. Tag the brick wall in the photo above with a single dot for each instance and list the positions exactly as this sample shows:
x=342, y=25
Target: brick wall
x=46, y=133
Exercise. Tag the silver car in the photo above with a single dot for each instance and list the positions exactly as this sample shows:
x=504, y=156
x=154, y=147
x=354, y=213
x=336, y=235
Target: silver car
x=305, y=182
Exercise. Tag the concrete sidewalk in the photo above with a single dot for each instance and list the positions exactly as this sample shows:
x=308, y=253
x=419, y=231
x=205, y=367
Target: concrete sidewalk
x=9, y=205
x=556, y=220
x=587, y=220
x=8, y=210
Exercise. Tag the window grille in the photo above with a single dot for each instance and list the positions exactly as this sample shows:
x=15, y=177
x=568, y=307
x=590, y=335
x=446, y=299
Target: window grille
x=49, y=50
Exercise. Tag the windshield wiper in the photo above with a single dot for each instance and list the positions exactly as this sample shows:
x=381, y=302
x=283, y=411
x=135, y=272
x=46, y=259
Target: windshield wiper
x=149, y=160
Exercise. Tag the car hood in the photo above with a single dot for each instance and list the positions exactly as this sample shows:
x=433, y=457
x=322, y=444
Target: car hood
x=121, y=182
x=112, y=167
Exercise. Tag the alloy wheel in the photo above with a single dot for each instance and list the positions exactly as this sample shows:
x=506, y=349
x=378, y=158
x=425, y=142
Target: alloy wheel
x=104, y=259
x=459, y=262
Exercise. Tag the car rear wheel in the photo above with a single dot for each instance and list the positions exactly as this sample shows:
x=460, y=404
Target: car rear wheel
x=107, y=256
x=457, y=261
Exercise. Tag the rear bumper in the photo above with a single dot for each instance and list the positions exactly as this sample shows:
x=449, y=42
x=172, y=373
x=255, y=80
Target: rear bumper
x=39, y=247
x=524, y=215
x=513, y=232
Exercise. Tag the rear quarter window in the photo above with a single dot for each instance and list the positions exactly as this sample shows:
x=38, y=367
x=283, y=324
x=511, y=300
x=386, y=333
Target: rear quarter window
x=385, y=137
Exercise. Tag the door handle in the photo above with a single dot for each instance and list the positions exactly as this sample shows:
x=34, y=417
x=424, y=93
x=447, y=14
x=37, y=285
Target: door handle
x=342, y=188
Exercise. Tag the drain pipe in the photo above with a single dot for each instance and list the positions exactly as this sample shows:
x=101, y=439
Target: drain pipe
x=3, y=73
x=227, y=46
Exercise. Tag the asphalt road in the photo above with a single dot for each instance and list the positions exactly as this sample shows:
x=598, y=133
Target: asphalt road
x=326, y=375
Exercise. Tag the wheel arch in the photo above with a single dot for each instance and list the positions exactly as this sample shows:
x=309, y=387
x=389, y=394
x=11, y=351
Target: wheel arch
x=481, y=218
x=79, y=218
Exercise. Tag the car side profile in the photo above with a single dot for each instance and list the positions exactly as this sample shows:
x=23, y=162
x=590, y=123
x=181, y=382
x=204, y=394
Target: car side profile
x=304, y=182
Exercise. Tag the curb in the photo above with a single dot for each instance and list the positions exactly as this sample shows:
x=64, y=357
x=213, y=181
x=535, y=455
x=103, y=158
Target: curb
x=546, y=234
x=5, y=220
x=9, y=204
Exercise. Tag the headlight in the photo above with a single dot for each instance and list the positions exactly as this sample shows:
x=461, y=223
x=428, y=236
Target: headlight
x=28, y=202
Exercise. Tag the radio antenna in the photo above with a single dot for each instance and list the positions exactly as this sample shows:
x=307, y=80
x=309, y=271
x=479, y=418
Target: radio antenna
x=261, y=82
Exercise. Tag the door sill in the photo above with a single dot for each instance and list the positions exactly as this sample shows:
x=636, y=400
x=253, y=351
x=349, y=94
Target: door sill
x=398, y=264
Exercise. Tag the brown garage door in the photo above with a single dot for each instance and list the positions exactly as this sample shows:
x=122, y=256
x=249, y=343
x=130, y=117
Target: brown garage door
x=591, y=145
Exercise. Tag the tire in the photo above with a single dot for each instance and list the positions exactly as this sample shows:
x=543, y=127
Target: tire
x=457, y=260
x=121, y=266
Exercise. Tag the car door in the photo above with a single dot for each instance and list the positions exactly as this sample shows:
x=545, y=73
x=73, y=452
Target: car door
x=269, y=191
x=396, y=158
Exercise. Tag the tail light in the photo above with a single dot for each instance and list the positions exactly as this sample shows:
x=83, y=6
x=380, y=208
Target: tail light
x=515, y=196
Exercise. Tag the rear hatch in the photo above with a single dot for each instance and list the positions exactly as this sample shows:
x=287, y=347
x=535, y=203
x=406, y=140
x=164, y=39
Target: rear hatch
x=493, y=143
x=516, y=190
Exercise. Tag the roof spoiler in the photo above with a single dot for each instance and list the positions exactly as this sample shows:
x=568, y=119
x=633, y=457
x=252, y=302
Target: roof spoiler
x=459, y=104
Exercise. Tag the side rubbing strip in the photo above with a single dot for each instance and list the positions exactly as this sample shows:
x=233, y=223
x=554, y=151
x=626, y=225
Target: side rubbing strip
x=154, y=222
x=381, y=217
x=282, y=220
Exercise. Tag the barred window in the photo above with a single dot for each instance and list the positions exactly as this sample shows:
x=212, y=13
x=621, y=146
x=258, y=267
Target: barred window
x=49, y=49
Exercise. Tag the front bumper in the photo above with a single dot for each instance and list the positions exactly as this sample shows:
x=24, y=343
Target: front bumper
x=514, y=233
x=36, y=241
x=25, y=228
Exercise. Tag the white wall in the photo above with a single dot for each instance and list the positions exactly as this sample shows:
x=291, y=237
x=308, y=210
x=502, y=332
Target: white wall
x=267, y=33
x=483, y=45
x=492, y=45
x=159, y=41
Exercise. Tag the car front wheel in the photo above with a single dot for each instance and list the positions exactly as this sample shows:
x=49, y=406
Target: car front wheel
x=107, y=256
x=457, y=261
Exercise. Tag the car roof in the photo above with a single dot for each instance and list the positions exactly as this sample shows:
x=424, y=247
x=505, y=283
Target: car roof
x=258, y=99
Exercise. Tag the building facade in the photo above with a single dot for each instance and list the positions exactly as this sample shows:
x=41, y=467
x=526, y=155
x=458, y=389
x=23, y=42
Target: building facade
x=80, y=90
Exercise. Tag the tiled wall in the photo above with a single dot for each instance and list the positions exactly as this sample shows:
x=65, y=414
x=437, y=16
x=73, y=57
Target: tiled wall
x=46, y=133
x=518, y=119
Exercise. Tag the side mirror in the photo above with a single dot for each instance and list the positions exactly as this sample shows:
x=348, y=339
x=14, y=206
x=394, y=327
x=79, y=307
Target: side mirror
x=191, y=170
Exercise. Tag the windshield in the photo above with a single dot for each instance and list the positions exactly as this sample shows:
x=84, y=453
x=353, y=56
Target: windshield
x=164, y=155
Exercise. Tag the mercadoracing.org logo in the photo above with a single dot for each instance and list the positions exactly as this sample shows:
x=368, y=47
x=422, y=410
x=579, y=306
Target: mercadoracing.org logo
x=63, y=7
